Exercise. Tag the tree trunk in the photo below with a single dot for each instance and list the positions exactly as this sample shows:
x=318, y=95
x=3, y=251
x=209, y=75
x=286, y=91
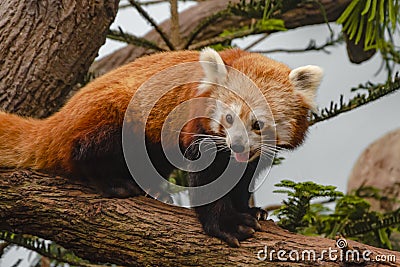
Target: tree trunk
x=46, y=47
x=141, y=231
x=302, y=15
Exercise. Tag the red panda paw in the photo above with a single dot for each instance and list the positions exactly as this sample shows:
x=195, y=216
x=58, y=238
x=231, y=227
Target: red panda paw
x=233, y=228
x=258, y=213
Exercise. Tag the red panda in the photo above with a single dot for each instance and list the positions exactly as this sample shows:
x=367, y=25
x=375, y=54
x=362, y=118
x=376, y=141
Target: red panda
x=84, y=139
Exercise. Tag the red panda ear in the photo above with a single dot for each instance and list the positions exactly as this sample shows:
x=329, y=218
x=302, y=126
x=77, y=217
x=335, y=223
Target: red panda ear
x=213, y=66
x=306, y=81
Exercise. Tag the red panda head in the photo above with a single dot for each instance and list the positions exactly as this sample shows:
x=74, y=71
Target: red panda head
x=258, y=103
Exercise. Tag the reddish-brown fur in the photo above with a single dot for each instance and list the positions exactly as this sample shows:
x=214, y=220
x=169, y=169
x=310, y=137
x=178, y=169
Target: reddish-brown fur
x=48, y=144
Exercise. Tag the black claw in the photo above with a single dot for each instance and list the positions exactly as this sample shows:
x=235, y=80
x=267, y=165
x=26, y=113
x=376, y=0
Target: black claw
x=250, y=221
x=264, y=216
x=258, y=213
x=229, y=238
x=233, y=242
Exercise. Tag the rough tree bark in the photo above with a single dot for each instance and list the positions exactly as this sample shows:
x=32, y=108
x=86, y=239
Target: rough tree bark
x=46, y=47
x=140, y=231
x=305, y=14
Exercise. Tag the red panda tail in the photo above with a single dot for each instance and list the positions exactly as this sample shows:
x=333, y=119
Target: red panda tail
x=17, y=136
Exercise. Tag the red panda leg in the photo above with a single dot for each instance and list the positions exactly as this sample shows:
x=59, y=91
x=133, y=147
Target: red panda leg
x=240, y=194
x=97, y=157
x=229, y=218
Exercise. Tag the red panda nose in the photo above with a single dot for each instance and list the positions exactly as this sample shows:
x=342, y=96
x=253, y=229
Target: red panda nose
x=237, y=148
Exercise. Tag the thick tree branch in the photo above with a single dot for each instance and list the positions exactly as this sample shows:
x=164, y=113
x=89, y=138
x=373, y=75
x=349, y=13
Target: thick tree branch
x=306, y=14
x=138, y=231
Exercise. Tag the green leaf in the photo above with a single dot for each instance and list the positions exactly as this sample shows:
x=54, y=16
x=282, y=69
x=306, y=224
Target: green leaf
x=384, y=238
x=368, y=35
x=267, y=4
x=347, y=12
x=353, y=25
x=392, y=13
x=382, y=11
x=271, y=25
x=360, y=31
x=285, y=183
x=373, y=10
x=367, y=7
x=281, y=191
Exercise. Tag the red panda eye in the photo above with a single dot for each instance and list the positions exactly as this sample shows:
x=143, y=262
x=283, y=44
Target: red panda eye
x=229, y=118
x=258, y=125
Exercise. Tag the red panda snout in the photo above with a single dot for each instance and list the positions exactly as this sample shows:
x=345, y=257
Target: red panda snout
x=237, y=147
